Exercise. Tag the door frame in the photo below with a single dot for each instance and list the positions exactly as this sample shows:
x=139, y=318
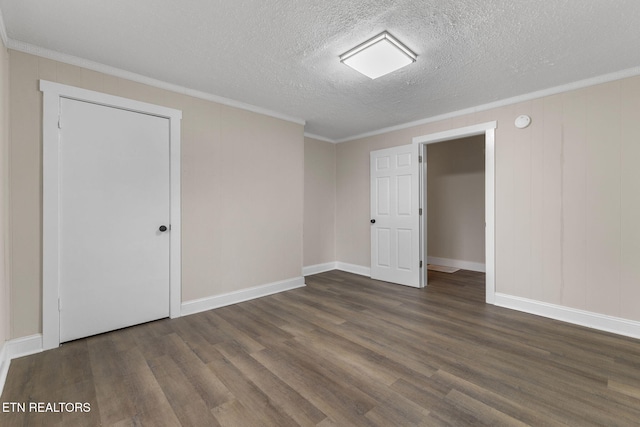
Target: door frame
x=488, y=130
x=52, y=93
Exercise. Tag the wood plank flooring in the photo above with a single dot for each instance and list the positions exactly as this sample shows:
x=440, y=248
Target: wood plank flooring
x=343, y=351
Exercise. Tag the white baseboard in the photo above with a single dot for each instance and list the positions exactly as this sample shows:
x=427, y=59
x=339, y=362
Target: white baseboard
x=352, y=268
x=318, y=268
x=217, y=301
x=342, y=266
x=24, y=346
x=13, y=349
x=616, y=325
x=456, y=263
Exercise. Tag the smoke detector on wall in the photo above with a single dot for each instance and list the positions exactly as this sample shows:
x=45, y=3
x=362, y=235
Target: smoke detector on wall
x=523, y=121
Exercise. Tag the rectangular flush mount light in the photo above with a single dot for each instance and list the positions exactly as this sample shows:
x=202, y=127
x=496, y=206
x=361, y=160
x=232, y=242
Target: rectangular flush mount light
x=378, y=56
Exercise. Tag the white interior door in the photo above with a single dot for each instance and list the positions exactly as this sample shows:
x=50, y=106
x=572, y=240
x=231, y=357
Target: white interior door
x=114, y=197
x=395, y=220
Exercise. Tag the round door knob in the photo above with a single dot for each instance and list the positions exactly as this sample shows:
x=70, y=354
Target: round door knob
x=163, y=228
x=373, y=221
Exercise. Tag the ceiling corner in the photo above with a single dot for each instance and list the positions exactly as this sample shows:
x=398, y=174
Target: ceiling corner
x=319, y=138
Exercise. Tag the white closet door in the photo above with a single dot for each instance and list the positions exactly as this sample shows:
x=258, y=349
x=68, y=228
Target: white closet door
x=395, y=221
x=114, y=198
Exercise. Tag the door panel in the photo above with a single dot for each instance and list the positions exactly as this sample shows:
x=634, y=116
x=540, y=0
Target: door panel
x=405, y=253
x=384, y=244
x=404, y=195
x=395, y=254
x=383, y=190
x=114, y=195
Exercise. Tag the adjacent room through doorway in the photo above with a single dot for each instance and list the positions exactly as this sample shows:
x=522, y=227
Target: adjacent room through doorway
x=455, y=205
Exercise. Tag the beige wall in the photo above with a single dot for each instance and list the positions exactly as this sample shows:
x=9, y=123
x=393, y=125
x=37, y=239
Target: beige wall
x=242, y=189
x=4, y=143
x=319, y=202
x=353, y=241
x=455, y=199
x=567, y=204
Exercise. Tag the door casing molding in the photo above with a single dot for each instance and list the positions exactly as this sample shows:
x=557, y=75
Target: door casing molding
x=488, y=130
x=52, y=93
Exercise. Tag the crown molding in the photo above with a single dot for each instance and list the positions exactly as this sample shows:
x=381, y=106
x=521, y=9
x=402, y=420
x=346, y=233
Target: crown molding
x=3, y=30
x=580, y=84
x=95, y=66
x=319, y=138
x=128, y=75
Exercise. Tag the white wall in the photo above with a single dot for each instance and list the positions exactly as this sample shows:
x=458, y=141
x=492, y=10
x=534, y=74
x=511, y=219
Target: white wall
x=567, y=200
x=4, y=143
x=319, y=202
x=242, y=189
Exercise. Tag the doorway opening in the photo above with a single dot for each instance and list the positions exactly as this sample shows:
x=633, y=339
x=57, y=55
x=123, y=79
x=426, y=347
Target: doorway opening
x=454, y=197
x=488, y=130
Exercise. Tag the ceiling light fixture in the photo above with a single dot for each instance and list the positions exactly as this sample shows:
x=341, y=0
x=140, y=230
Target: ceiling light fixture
x=379, y=56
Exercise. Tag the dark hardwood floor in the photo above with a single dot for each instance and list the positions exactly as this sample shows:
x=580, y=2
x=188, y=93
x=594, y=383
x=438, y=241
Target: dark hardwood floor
x=343, y=351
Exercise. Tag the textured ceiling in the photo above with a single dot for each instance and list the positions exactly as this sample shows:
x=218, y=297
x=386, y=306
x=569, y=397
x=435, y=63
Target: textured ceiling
x=282, y=55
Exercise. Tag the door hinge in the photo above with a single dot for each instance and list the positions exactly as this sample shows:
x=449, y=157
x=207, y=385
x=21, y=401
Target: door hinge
x=420, y=211
x=59, y=113
x=420, y=264
x=419, y=159
x=59, y=308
